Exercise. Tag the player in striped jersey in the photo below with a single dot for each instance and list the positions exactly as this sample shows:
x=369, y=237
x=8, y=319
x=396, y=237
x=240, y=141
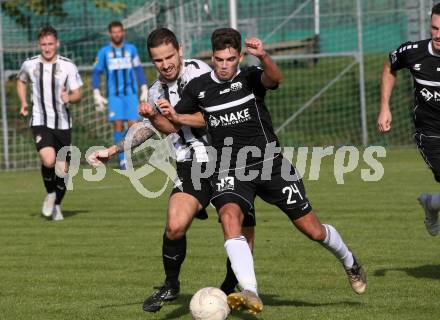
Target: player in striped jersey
x=120, y=62
x=187, y=202
x=55, y=83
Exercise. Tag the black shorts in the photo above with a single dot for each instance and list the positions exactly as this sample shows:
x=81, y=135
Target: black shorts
x=185, y=184
x=202, y=194
x=271, y=186
x=55, y=138
x=429, y=147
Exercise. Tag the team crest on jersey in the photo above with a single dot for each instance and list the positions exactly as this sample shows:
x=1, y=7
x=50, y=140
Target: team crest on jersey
x=213, y=121
x=38, y=138
x=36, y=73
x=236, y=86
x=111, y=55
x=226, y=183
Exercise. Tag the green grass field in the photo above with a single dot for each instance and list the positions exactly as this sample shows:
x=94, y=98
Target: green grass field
x=105, y=257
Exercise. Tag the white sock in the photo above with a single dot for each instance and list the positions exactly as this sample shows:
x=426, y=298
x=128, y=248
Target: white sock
x=435, y=202
x=242, y=262
x=334, y=243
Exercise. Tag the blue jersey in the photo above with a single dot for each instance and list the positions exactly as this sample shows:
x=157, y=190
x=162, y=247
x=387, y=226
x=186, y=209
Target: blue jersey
x=121, y=66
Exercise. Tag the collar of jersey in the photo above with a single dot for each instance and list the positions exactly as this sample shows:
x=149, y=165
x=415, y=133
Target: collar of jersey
x=171, y=83
x=431, y=50
x=44, y=62
x=214, y=76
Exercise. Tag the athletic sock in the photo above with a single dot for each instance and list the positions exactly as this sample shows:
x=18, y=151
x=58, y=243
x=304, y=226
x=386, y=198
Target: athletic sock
x=334, y=243
x=173, y=255
x=242, y=262
x=435, y=202
x=60, y=189
x=230, y=281
x=48, y=178
x=117, y=136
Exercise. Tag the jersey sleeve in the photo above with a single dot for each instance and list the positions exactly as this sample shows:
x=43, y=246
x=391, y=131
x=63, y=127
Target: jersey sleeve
x=73, y=78
x=23, y=74
x=399, y=58
x=189, y=102
x=253, y=76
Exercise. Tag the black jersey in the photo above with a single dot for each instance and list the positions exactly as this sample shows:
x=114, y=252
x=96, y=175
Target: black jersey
x=233, y=108
x=424, y=65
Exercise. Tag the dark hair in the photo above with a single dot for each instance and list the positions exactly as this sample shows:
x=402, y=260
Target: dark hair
x=435, y=9
x=226, y=38
x=114, y=24
x=47, y=31
x=161, y=36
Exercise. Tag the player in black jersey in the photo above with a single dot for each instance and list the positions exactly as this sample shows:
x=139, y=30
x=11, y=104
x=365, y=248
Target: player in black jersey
x=422, y=58
x=231, y=100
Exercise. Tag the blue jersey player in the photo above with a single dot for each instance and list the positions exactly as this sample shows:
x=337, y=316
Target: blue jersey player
x=121, y=64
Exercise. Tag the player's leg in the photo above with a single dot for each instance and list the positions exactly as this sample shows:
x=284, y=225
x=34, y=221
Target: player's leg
x=117, y=117
x=232, y=198
x=62, y=139
x=290, y=197
x=248, y=230
x=44, y=143
x=182, y=208
x=429, y=147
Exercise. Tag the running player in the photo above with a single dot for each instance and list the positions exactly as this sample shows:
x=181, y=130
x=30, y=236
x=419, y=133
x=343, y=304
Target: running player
x=120, y=62
x=55, y=83
x=231, y=100
x=422, y=58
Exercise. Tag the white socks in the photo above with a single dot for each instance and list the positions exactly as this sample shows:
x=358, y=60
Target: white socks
x=435, y=202
x=242, y=262
x=333, y=242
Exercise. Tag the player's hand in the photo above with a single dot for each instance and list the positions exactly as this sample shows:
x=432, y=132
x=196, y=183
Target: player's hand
x=99, y=101
x=146, y=110
x=144, y=93
x=168, y=110
x=24, y=110
x=384, y=121
x=254, y=46
x=99, y=157
x=65, y=95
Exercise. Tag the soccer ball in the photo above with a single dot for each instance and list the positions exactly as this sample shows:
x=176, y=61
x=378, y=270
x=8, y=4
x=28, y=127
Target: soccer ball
x=209, y=304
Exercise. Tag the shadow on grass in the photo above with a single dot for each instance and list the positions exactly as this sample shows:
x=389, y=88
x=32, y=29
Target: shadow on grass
x=428, y=271
x=66, y=214
x=182, y=304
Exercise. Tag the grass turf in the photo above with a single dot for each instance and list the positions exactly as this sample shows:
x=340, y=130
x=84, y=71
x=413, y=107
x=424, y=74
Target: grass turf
x=104, y=258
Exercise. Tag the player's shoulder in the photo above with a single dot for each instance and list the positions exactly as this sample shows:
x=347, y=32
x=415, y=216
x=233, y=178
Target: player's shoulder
x=196, y=64
x=155, y=86
x=413, y=47
x=66, y=61
x=34, y=58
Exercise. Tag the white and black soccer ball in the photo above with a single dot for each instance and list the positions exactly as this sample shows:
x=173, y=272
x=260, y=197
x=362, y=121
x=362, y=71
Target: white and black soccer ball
x=209, y=304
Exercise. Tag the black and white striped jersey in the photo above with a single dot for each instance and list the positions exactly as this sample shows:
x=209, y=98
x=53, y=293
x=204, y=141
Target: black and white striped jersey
x=233, y=108
x=424, y=65
x=47, y=81
x=188, y=143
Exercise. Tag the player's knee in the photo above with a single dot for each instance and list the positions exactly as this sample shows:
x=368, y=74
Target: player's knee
x=48, y=163
x=175, y=231
x=317, y=233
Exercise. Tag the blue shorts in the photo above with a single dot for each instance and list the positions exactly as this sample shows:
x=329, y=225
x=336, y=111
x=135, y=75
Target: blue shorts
x=123, y=108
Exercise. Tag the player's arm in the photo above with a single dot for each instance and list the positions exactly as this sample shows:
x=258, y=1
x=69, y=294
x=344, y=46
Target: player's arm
x=160, y=122
x=21, y=92
x=140, y=76
x=194, y=120
x=73, y=96
x=71, y=92
x=386, y=89
x=271, y=76
x=22, y=79
x=98, y=68
x=137, y=134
